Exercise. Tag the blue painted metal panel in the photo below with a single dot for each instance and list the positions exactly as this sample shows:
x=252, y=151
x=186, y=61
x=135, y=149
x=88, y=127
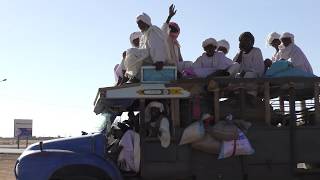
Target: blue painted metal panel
x=84, y=150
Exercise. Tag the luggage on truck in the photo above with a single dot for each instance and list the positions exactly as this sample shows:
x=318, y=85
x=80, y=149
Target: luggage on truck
x=241, y=146
x=192, y=133
x=207, y=144
x=224, y=131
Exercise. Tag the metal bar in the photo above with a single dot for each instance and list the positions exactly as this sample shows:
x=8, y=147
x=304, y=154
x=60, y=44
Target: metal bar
x=292, y=132
x=175, y=112
x=281, y=102
x=316, y=103
x=142, y=133
x=242, y=102
x=267, y=103
x=216, y=97
x=251, y=80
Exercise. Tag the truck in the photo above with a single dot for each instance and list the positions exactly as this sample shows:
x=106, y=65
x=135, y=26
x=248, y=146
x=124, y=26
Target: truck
x=284, y=128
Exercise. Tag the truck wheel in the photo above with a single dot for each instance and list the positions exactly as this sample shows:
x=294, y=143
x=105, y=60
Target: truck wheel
x=79, y=178
x=80, y=172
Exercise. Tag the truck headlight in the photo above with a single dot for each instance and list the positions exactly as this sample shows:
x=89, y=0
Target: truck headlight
x=16, y=169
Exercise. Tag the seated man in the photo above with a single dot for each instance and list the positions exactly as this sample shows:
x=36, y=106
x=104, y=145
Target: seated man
x=274, y=41
x=250, y=58
x=212, y=62
x=251, y=63
x=129, y=146
x=157, y=123
x=129, y=58
x=289, y=50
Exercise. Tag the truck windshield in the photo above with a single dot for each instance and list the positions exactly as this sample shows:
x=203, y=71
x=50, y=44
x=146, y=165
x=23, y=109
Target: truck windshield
x=105, y=121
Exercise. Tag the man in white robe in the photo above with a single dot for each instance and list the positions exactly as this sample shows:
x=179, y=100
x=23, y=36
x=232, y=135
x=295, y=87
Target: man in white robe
x=172, y=31
x=129, y=156
x=273, y=40
x=154, y=41
x=158, y=123
x=212, y=62
x=122, y=69
x=289, y=50
x=250, y=60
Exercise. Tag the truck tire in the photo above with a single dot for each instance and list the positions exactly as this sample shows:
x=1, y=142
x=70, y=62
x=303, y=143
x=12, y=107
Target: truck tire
x=80, y=172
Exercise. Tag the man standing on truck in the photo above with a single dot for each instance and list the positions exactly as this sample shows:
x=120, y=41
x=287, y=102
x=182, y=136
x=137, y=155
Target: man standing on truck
x=289, y=50
x=172, y=31
x=154, y=41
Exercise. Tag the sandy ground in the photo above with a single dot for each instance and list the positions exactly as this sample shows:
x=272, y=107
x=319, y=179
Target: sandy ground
x=7, y=162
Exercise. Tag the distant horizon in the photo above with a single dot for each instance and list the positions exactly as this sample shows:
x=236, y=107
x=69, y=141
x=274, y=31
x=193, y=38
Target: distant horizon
x=56, y=54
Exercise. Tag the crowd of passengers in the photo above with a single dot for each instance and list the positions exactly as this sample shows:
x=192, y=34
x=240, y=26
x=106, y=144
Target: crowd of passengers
x=160, y=47
x=125, y=149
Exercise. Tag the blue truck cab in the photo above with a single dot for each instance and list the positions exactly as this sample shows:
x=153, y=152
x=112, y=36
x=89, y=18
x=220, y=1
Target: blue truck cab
x=67, y=158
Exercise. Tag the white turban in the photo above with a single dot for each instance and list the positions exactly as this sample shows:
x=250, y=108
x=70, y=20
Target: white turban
x=209, y=41
x=224, y=43
x=272, y=36
x=155, y=104
x=134, y=36
x=287, y=35
x=144, y=18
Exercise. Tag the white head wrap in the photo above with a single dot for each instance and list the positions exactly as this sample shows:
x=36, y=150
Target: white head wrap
x=134, y=36
x=287, y=35
x=156, y=105
x=145, y=18
x=209, y=41
x=149, y=106
x=224, y=43
x=272, y=36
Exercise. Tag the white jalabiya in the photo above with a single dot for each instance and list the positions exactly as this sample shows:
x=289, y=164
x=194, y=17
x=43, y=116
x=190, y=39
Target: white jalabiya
x=133, y=61
x=206, y=65
x=130, y=154
x=117, y=72
x=296, y=56
x=154, y=40
x=217, y=61
x=252, y=62
x=174, y=48
x=164, y=130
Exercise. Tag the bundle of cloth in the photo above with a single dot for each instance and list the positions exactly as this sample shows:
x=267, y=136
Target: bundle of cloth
x=284, y=68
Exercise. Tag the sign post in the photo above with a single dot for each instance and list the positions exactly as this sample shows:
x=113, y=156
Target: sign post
x=22, y=129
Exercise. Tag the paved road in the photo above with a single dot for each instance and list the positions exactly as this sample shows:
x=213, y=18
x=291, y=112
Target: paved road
x=11, y=151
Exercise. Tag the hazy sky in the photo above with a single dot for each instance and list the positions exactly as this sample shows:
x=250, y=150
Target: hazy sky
x=57, y=53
